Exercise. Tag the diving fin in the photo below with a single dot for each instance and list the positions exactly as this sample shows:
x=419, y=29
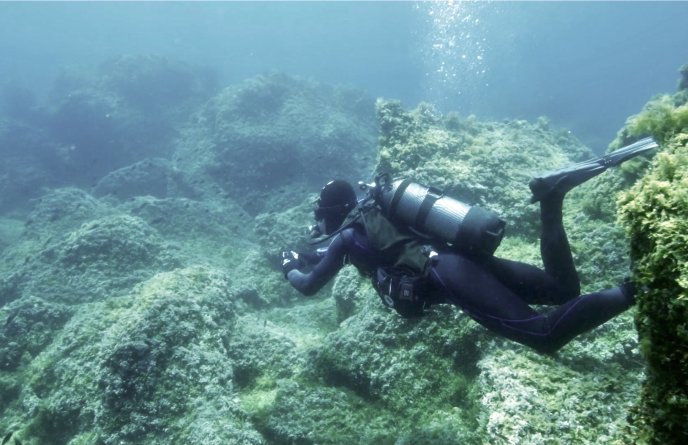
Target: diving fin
x=567, y=178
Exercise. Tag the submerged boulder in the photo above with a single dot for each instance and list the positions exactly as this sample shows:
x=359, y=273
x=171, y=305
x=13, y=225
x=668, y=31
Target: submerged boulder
x=150, y=177
x=655, y=214
x=129, y=110
x=103, y=258
x=26, y=327
x=150, y=367
x=28, y=160
x=156, y=84
x=269, y=138
x=208, y=232
x=62, y=210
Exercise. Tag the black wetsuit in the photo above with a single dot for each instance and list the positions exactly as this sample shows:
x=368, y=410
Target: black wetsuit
x=496, y=292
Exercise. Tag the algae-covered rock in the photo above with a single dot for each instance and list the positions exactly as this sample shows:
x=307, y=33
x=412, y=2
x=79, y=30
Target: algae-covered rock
x=167, y=358
x=416, y=371
x=150, y=177
x=103, y=258
x=10, y=232
x=53, y=216
x=265, y=138
x=208, y=232
x=62, y=210
x=322, y=415
x=262, y=353
x=351, y=294
x=28, y=158
x=151, y=367
x=156, y=84
x=529, y=398
x=655, y=214
x=286, y=229
x=129, y=110
x=26, y=327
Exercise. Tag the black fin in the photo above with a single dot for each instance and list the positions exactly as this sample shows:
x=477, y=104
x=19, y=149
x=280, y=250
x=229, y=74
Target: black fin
x=565, y=179
x=7, y=437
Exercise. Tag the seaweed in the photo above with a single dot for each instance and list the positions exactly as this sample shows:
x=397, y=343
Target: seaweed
x=655, y=215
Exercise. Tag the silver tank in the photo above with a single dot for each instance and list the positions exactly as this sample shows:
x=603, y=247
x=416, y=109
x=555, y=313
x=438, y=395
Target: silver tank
x=471, y=229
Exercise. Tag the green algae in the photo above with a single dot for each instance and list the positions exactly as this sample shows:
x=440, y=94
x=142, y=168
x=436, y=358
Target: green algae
x=655, y=214
x=141, y=368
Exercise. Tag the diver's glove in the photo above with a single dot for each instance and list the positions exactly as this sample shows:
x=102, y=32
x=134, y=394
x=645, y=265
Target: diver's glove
x=290, y=261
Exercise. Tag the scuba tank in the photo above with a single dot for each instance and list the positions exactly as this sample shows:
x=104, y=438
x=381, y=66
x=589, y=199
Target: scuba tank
x=466, y=228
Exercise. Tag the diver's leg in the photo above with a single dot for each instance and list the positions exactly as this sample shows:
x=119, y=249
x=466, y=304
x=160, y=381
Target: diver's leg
x=487, y=300
x=559, y=282
x=582, y=314
x=480, y=294
x=532, y=284
x=550, y=191
x=555, y=248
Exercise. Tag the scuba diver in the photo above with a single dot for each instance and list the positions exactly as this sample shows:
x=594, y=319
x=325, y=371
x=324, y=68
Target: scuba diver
x=421, y=248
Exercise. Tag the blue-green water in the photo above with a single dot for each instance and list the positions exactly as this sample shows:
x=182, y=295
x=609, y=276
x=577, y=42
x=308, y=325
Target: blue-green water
x=158, y=157
x=585, y=65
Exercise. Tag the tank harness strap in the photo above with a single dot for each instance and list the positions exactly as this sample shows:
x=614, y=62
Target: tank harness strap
x=430, y=199
x=397, y=196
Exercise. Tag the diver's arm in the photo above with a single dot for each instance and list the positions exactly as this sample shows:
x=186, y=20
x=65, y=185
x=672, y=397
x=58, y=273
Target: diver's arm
x=313, y=258
x=333, y=260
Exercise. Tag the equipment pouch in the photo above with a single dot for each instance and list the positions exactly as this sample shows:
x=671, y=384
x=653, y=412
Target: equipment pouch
x=401, y=290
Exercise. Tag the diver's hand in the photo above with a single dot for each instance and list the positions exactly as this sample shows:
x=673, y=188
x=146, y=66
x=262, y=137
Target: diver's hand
x=290, y=261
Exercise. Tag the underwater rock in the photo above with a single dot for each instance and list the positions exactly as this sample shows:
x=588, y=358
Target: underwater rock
x=207, y=231
x=350, y=293
x=129, y=111
x=28, y=160
x=285, y=230
x=655, y=214
x=263, y=352
x=528, y=398
x=156, y=84
x=309, y=415
x=10, y=232
x=62, y=210
x=262, y=137
x=88, y=123
x=258, y=283
x=169, y=356
x=101, y=259
x=150, y=177
x=26, y=327
x=150, y=367
x=414, y=371
x=53, y=216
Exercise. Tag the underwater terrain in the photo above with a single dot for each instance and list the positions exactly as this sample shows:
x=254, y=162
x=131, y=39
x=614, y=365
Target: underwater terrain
x=142, y=214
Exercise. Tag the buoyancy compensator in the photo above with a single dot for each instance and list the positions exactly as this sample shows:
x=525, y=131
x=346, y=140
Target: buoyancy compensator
x=466, y=228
